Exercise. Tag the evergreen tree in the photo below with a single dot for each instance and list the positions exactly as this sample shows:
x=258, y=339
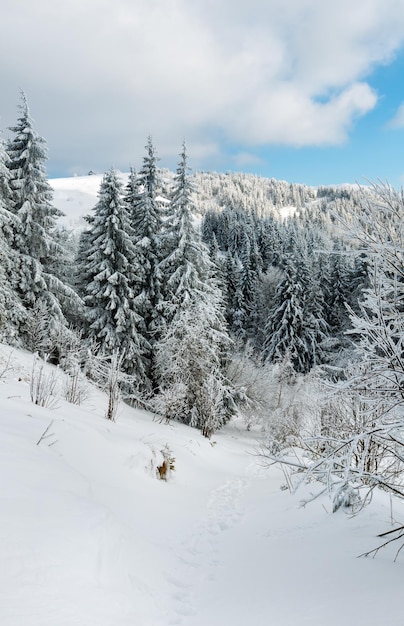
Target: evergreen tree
x=6, y=194
x=239, y=311
x=360, y=280
x=219, y=268
x=187, y=268
x=12, y=312
x=286, y=330
x=308, y=274
x=191, y=353
x=340, y=289
x=236, y=230
x=147, y=221
x=194, y=389
x=35, y=236
x=232, y=282
x=31, y=193
x=131, y=194
x=252, y=283
x=209, y=227
x=107, y=265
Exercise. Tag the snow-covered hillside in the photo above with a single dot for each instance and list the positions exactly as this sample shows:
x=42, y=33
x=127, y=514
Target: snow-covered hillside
x=75, y=196
x=90, y=537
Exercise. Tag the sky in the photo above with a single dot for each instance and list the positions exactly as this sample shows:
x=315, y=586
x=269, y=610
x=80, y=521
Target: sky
x=308, y=91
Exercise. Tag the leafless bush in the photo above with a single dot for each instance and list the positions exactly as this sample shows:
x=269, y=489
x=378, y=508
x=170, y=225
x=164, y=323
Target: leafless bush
x=6, y=365
x=106, y=372
x=43, y=383
x=75, y=389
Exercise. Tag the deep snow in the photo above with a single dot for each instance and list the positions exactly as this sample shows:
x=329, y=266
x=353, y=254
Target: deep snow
x=76, y=197
x=89, y=536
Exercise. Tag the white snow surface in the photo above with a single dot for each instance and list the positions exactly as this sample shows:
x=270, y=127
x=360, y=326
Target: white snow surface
x=76, y=197
x=90, y=537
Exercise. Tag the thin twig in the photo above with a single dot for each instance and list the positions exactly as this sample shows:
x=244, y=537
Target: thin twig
x=44, y=434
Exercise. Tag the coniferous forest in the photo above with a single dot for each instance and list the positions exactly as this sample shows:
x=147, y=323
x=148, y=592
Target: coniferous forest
x=205, y=296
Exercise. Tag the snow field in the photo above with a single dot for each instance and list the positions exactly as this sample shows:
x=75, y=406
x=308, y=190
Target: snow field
x=89, y=536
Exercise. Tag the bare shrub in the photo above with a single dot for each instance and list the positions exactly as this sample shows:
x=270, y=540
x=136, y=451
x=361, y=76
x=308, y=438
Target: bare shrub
x=275, y=397
x=106, y=372
x=43, y=383
x=6, y=365
x=75, y=388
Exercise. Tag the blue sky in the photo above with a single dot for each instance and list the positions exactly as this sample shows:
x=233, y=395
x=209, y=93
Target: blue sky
x=307, y=91
x=373, y=150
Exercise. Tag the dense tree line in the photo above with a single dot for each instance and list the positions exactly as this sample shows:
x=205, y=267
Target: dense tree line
x=287, y=284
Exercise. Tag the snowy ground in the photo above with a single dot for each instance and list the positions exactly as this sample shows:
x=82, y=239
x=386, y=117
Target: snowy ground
x=90, y=537
x=76, y=197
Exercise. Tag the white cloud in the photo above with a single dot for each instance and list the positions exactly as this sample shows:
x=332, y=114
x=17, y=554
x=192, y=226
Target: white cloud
x=398, y=119
x=101, y=75
x=245, y=159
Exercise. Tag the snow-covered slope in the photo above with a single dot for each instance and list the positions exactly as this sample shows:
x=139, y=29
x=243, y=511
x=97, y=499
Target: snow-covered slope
x=90, y=537
x=75, y=196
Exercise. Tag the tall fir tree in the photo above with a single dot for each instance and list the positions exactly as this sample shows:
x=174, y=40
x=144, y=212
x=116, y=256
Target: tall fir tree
x=339, y=288
x=187, y=267
x=191, y=353
x=285, y=329
x=107, y=266
x=12, y=312
x=147, y=221
x=31, y=192
x=232, y=269
x=35, y=233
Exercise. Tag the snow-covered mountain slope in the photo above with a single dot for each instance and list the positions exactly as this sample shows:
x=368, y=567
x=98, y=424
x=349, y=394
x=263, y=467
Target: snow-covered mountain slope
x=75, y=196
x=90, y=537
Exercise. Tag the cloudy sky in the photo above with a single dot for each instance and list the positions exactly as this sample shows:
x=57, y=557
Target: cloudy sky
x=303, y=90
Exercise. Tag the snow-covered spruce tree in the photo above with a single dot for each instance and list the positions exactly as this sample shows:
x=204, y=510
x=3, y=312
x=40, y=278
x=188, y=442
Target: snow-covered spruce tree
x=316, y=327
x=339, y=288
x=35, y=235
x=194, y=389
x=186, y=267
x=132, y=191
x=237, y=310
x=6, y=194
x=251, y=276
x=359, y=280
x=237, y=230
x=270, y=242
x=144, y=204
x=232, y=291
x=191, y=353
x=12, y=312
x=107, y=264
x=285, y=324
x=31, y=193
x=295, y=322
